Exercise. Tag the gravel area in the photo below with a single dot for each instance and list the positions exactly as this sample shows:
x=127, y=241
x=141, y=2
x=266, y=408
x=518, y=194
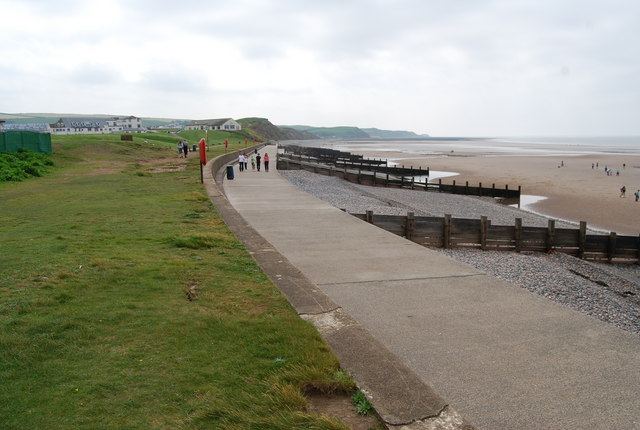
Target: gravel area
x=608, y=292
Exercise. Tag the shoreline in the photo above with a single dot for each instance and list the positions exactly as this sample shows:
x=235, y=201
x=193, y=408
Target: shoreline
x=574, y=190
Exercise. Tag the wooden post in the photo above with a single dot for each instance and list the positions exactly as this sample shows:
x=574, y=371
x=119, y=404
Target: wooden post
x=369, y=217
x=439, y=185
x=387, y=183
x=483, y=232
x=551, y=235
x=518, y=234
x=375, y=172
x=493, y=190
x=612, y=246
x=410, y=225
x=359, y=173
x=582, y=239
x=412, y=182
x=446, y=231
x=480, y=188
x=466, y=188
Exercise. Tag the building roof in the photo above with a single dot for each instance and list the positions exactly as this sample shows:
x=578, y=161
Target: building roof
x=210, y=122
x=79, y=122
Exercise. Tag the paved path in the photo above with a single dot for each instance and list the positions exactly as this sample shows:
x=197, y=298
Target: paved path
x=503, y=357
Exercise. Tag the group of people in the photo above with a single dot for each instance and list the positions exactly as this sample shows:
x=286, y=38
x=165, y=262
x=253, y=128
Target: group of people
x=609, y=172
x=623, y=192
x=256, y=160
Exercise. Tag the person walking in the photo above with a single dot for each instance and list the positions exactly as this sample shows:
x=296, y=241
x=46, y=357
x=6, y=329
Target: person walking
x=623, y=191
x=253, y=163
x=185, y=148
x=258, y=158
x=241, y=162
x=180, y=148
x=246, y=161
x=637, y=194
x=266, y=162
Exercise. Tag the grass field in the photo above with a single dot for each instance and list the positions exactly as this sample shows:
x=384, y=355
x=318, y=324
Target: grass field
x=125, y=302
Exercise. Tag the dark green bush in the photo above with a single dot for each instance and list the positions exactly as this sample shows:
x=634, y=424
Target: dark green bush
x=17, y=166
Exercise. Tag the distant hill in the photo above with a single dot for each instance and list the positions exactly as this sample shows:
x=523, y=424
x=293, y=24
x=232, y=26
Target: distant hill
x=376, y=133
x=332, y=132
x=356, y=133
x=262, y=128
x=259, y=128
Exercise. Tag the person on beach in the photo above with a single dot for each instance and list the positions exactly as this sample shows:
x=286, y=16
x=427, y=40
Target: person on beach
x=623, y=191
x=258, y=158
x=241, y=162
x=253, y=163
x=266, y=162
x=637, y=195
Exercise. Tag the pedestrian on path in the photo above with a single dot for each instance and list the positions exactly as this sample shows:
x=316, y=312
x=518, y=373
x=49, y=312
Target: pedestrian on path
x=185, y=148
x=241, y=162
x=623, y=191
x=266, y=162
x=258, y=158
x=180, y=148
x=246, y=161
x=253, y=163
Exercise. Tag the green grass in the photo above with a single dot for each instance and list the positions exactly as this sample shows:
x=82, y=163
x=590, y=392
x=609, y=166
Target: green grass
x=125, y=302
x=23, y=164
x=361, y=403
x=215, y=137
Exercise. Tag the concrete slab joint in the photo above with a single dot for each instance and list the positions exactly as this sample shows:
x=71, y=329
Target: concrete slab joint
x=447, y=419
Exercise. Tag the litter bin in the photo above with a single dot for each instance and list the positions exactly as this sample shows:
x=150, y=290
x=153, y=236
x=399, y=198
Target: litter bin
x=229, y=171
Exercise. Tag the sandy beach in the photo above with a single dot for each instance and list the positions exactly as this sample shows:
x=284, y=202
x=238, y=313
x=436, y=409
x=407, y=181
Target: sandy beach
x=574, y=190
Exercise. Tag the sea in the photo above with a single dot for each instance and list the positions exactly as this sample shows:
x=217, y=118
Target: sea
x=501, y=146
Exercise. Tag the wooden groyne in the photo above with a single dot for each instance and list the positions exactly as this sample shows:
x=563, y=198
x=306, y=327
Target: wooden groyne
x=449, y=232
x=392, y=177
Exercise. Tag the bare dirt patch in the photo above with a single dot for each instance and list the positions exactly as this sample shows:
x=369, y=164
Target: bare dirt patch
x=166, y=165
x=338, y=405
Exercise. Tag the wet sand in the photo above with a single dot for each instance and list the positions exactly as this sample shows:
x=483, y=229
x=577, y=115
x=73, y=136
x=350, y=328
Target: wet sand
x=575, y=192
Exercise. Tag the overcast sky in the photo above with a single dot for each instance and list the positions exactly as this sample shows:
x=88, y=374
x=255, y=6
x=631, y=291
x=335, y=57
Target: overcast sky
x=442, y=67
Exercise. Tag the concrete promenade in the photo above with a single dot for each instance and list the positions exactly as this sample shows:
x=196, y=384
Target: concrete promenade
x=504, y=358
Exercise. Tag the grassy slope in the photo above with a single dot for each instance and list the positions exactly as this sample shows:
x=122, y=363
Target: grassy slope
x=96, y=330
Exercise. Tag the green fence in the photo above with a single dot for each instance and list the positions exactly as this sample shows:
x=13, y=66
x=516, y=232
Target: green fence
x=31, y=140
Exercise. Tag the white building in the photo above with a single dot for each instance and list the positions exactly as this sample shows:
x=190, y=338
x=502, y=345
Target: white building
x=225, y=124
x=130, y=124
